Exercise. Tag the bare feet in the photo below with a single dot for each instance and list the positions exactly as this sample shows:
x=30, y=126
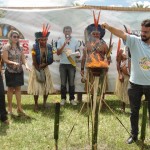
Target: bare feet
x=122, y=110
x=10, y=113
x=21, y=113
x=123, y=107
x=9, y=110
x=44, y=105
x=36, y=108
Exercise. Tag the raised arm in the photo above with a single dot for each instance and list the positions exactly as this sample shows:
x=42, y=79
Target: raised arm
x=115, y=31
x=60, y=50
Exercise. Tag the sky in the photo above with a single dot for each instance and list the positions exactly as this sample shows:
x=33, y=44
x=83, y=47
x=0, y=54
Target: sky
x=122, y=3
x=48, y=3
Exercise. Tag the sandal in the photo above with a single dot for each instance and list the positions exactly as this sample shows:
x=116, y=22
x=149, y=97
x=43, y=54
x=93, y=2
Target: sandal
x=21, y=113
x=6, y=122
x=10, y=113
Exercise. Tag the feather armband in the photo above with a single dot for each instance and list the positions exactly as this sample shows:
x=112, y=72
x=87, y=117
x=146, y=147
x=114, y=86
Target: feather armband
x=33, y=53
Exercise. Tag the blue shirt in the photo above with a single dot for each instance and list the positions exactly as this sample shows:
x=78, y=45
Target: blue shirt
x=73, y=45
x=140, y=60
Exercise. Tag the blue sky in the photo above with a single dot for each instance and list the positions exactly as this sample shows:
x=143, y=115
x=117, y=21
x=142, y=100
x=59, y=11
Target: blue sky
x=123, y=3
x=48, y=3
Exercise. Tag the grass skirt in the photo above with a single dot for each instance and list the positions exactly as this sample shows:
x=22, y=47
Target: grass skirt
x=121, y=90
x=37, y=88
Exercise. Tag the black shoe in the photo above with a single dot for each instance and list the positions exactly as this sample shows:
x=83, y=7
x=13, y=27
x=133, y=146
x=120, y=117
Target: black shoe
x=132, y=139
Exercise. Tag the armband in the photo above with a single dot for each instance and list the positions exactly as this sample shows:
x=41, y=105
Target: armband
x=33, y=53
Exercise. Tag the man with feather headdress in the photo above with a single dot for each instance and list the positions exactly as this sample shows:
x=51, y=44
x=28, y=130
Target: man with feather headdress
x=40, y=80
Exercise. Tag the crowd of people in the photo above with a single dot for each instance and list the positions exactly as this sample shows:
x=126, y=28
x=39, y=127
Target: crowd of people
x=133, y=66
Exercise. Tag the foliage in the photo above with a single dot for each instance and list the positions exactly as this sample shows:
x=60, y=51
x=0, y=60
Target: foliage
x=140, y=5
x=2, y=13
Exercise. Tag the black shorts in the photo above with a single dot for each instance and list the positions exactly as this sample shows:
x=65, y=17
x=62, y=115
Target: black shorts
x=14, y=79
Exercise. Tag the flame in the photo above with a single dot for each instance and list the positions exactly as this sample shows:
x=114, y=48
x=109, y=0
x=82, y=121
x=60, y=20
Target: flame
x=96, y=62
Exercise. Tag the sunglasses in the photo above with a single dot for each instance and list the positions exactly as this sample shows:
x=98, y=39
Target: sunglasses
x=15, y=37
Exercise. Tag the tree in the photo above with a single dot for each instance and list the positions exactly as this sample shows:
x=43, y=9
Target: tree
x=140, y=5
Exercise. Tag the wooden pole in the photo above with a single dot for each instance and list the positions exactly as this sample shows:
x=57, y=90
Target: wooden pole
x=95, y=117
x=56, y=124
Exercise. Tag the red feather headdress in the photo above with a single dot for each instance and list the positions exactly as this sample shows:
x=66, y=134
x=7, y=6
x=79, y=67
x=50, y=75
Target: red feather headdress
x=45, y=32
x=96, y=21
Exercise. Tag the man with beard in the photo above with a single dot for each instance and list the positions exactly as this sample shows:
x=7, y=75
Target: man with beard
x=140, y=71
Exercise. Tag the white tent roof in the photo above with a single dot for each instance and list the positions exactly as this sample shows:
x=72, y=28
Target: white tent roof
x=36, y=3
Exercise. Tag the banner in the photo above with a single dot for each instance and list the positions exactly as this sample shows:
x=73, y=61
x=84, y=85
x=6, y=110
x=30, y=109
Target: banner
x=29, y=21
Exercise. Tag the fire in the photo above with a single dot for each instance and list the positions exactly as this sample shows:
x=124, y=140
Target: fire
x=96, y=62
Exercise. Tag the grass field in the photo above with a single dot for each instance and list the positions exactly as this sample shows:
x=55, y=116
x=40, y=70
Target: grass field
x=37, y=132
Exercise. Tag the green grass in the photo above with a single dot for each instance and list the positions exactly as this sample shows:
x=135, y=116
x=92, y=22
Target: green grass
x=36, y=132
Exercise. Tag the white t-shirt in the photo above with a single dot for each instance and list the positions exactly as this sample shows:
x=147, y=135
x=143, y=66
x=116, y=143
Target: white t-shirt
x=73, y=46
x=140, y=60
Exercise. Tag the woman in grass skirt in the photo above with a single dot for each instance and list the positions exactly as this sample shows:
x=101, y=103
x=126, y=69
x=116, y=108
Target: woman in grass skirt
x=40, y=80
x=123, y=68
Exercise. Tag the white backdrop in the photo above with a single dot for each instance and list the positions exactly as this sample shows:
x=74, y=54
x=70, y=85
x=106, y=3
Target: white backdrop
x=29, y=21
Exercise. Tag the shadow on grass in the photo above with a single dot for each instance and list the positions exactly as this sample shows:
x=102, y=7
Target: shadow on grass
x=22, y=119
x=49, y=111
x=111, y=100
x=3, y=129
x=143, y=146
x=115, y=106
